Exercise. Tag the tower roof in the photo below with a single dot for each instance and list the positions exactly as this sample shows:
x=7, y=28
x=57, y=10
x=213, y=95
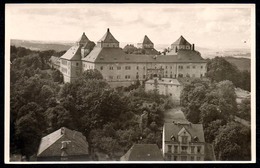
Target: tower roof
x=181, y=41
x=108, y=38
x=83, y=38
x=146, y=40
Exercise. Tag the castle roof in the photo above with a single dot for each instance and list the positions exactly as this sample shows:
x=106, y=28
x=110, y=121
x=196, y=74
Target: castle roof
x=83, y=38
x=108, y=38
x=51, y=144
x=181, y=41
x=73, y=53
x=143, y=152
x=172, y=129
x=146, y=40
x=116, y=55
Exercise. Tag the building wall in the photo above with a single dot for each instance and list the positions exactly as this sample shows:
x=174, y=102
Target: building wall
x=71, y=70
x=167, y=89
x=112, y=45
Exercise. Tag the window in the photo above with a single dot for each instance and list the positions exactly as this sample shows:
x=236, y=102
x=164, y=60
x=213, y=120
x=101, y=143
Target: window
x=184, y=139
x=118, y=77
x=166, y=72
x=175, y=149
x=127, y=67
x=175, y=158
x=137, y=67
x=137, y=76
x=119, y=68
x=169, y=149
x=101, y=68
x=143, y=76
x=194, y=67
x=188, y=67
x=201, y=75
x=144, y=67
x=192, y=158
x=183, y=158
x=165, y=67
x=169, y=157
x=198, y=149
x=201, y=67
x=192, y=149
x=77, y=64
x=127, y=77
x=184, y=148
x=110, y=68
x=180, y=75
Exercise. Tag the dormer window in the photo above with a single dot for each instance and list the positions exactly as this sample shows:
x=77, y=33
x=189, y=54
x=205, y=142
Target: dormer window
x=184, y=139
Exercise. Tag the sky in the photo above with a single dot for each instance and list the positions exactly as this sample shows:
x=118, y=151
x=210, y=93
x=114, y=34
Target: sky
x=208, y=26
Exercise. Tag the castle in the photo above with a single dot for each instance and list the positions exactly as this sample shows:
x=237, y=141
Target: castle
x=122, y=69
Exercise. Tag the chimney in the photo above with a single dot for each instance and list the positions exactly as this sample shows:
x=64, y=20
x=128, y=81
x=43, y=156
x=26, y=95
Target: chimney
x=83, y=33
x=62, y=130
x=193, y=47
x=107, y=29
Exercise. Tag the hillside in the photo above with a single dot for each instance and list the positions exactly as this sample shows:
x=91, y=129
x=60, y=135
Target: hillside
x=41, y=46
x=241, y=63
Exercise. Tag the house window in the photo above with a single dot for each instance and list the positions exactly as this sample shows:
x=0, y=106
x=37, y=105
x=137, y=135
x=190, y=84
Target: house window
x=144, y=67
x=180, y=75
x=77, y=64
x=143, y=76
x=165, y=67
x=111, y=68
x=101, y=68
x=175, y=149
x=175, y=158
x=127, y=77
x=192, y=149
x=188, y=67
x=184, y=139
x=137, y=67
x=201, y=67
x=118, y=77
x=183, y=158
x=198, y=158
x=184, y=148
x=169, y=149
x=192, y=158
x=110, y=77
x=119, y=68
x=170, y=67
x=198, y=149
x=194, y=67
x=137, y=76
x=127, y=67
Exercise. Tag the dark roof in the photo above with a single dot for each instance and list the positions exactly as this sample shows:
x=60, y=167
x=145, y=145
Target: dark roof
x=151, y=51
x=115, y=55
x=51, y=144
x=143, y=152
x=181, y=41
x=172, y=129
x=83, y=38
x=108, y=38
x=146, y=40
x=73, y=53
x=89, y=45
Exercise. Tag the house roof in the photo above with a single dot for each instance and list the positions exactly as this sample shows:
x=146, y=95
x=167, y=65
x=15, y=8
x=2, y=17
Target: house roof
x=146, y=40
x=181, y=41
x=172, y=129
x=108, y=38
x=89, y=45
x=54, y=60
x=116, y=55
x=143, y=152
x=73, y=53
x=51, y=144
x=83, y=38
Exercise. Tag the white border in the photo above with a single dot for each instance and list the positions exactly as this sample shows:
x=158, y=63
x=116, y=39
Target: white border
x=253, y=91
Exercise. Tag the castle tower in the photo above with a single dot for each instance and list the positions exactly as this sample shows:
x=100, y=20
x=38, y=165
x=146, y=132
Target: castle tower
x=181, y=43
x=83, y=40
x=145, y=43
x=108, y=41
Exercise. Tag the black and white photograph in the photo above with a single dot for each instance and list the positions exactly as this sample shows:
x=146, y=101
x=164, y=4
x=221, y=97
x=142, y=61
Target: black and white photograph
x=130, y=83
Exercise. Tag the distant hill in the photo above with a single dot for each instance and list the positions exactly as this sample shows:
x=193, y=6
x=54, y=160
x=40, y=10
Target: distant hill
x=41, y=46
x=241, y=63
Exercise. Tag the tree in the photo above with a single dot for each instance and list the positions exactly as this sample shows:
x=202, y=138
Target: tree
x=233, y=142
x=91, y=74
x=244, y=109
x=57, y=76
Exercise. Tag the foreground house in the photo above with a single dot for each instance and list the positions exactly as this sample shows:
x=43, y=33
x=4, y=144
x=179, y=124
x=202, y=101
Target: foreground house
x=63, y=145
x=121, y=69
x=183, y=142
x=143, y=152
